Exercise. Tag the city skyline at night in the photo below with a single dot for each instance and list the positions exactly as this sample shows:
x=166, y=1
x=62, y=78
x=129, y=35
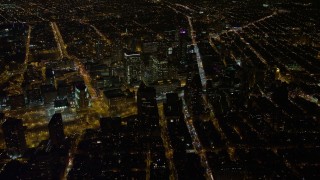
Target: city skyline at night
x=160, y=89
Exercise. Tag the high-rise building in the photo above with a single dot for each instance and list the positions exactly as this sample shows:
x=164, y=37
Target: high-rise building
x=173, y=105
x=159, y=66
x=147, y=106
x=173, y=111
x=177, y=129
x=63, y=89
x=14, y=135
x=81, y=95
x=133, y=67
x=183, y=46
x=56, y=132
x=119, y=101
x=194, y=95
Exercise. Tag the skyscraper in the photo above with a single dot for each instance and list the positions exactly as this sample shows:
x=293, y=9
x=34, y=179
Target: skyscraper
x=159, y=68
x=82, y=95
x=173, y=105
x=194, y=95
x=147, y=105
x=183, y=43
x=56, y=133
x=133, y=67
x=173, y=112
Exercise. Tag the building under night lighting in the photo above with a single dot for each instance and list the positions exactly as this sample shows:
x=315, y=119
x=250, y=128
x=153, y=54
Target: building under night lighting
x=160, y=89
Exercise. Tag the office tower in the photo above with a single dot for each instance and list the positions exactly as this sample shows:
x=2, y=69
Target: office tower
x=133, y=67
x=159, y=66
x=81, y=95
x=183, y=43
x=147, y=106
x=173, y=105
x=56, y=133
x=194, y=95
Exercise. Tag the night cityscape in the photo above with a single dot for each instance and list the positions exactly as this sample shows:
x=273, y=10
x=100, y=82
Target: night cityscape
x=160, y=89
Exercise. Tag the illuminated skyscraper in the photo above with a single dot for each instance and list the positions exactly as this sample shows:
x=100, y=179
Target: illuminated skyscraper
x=159, y=68
x=133, y=67
x=147, y=105
x=81, y=95
x=183, y=43
x=194, y=95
